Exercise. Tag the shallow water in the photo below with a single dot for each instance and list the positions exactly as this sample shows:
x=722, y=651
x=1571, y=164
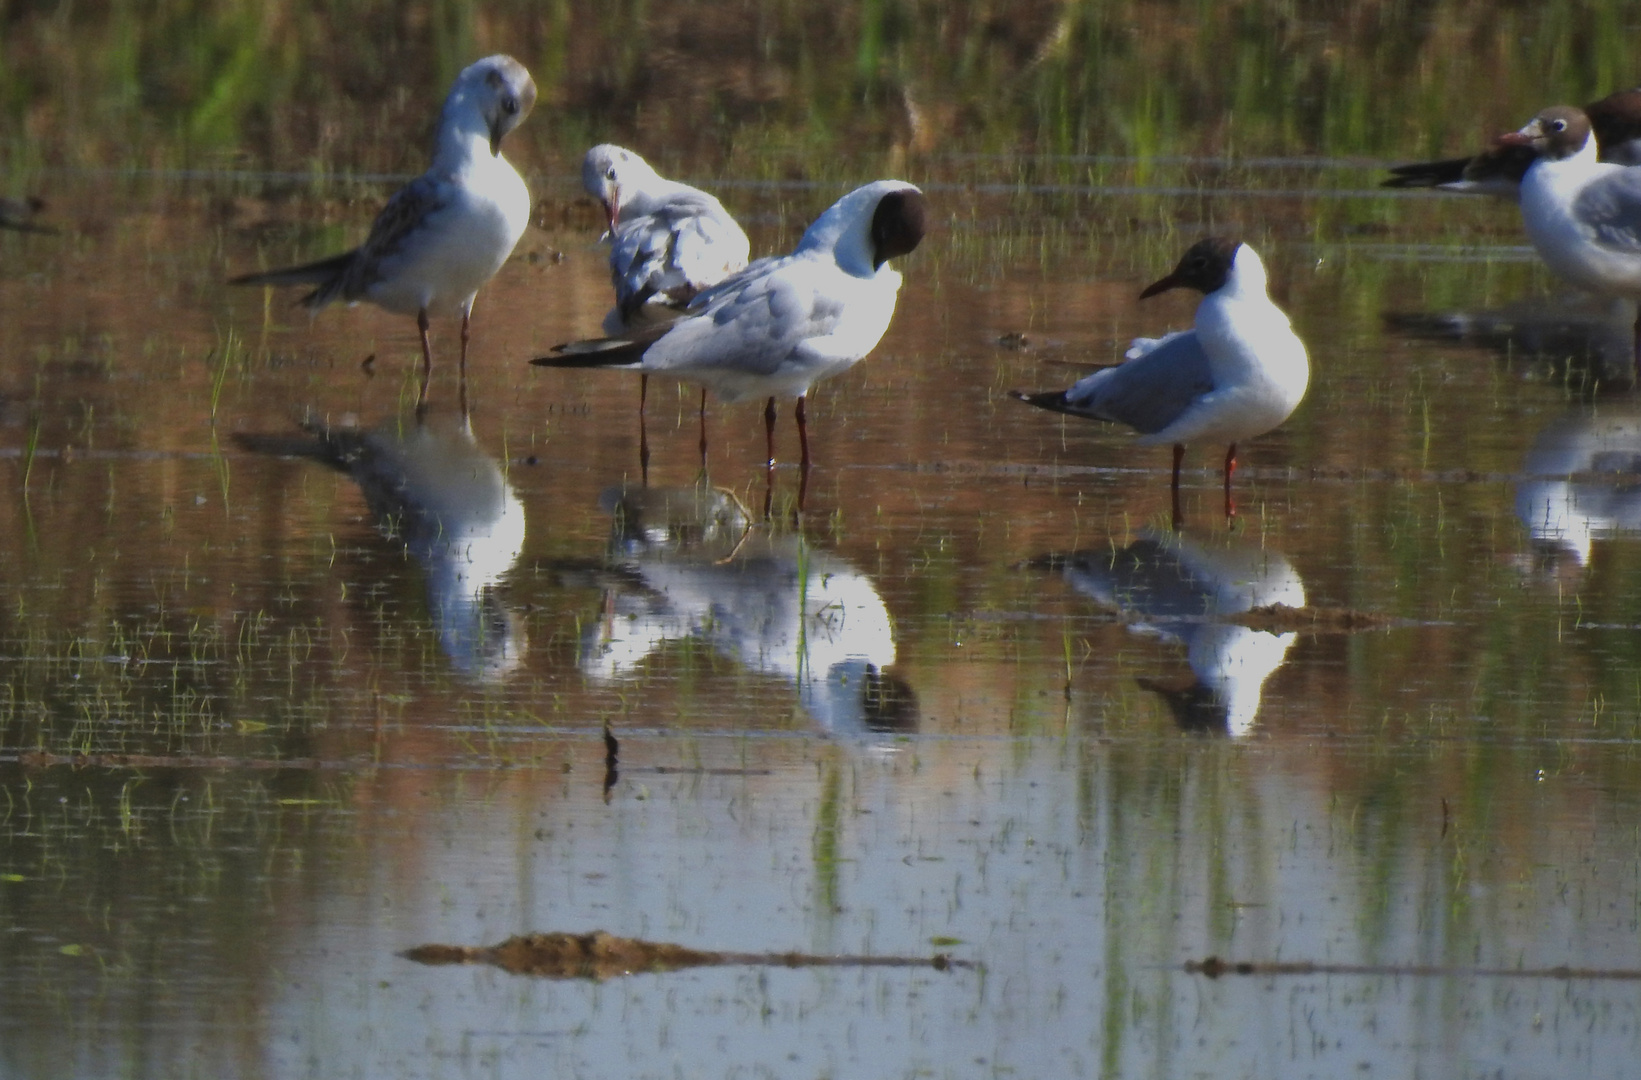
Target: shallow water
x=296, y=681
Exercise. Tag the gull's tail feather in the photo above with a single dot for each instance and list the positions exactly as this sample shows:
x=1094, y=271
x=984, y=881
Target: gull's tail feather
x=325, y=273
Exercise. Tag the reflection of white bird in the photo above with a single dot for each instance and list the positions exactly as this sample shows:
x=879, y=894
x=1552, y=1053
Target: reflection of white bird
x=1582, y=480
x=668, y=241
x=434, y=489
x=447, y=232
x=773, y=604
x=1616, y=120
x=1583, y=215
x=1239, y=373
x=1592, y=337
x=783, y=323
x=1182, y=589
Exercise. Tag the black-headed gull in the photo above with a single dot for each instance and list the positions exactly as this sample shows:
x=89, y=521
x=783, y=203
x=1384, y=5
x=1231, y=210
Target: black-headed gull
x=1240, y=373
x=1582, y=214
x=783, y=323
x=668, y=240
x=1615, y=119
x=446, y=233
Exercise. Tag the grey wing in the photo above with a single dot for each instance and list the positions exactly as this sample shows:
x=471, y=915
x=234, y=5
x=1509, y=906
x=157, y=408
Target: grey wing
x=1150, y=391
x=674, y=253
x=1611, y=208
x=405, y=214
x=752, y=322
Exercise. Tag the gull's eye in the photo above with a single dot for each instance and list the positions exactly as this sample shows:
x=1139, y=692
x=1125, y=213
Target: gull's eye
x=1558, y=125
x=609, y=174
x=509, y=104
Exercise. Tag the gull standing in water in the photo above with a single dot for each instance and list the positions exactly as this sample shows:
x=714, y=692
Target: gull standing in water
x=1582, y=214
x=1240, y=373
x=446, y=233
x=783, y=323
x=668, y=241
x=1615, y=119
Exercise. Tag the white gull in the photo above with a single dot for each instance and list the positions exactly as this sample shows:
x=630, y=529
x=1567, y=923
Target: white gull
x=1239, y=373
x=782, y=324
x=446, y=233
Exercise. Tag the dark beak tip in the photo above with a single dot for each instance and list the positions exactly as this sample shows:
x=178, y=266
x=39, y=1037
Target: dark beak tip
x=1158, y=287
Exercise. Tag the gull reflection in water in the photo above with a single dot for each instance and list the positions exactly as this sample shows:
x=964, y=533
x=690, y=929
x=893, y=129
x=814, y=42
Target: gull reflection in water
x=1181, y=589
x=691, y=566
x=1581, y=480
x=432, y=488
x=1594, y=338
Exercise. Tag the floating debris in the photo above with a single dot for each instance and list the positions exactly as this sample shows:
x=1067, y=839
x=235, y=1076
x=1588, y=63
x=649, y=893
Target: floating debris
x=1282, y=619
x=600, y=955
x=1214, y=967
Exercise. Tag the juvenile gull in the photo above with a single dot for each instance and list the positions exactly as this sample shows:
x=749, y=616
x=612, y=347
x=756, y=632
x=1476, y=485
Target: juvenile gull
x=668, y=240
x=446, y=233
x=1239, y=373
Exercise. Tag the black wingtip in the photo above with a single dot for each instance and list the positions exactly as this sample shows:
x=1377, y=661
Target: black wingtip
x=581, y=354
x=604, y=352
x=1426, y=174
x=1044, y=399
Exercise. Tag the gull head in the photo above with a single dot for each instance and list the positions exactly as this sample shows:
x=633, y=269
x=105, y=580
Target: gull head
x=496, y=92
x=1556, y=133
x=870, y=225
x=615, y=176
x=1205, y=267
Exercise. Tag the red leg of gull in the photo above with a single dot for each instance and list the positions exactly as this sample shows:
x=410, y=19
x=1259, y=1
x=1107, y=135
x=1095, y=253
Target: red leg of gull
x=467, y=321
x=461, y=366
x=427, y=359
x=803, y=441
x=1230, y=469
x=803, y=431
x=1638, y=342
x=1179, y=456
x=643, y=431
x=703, y=432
